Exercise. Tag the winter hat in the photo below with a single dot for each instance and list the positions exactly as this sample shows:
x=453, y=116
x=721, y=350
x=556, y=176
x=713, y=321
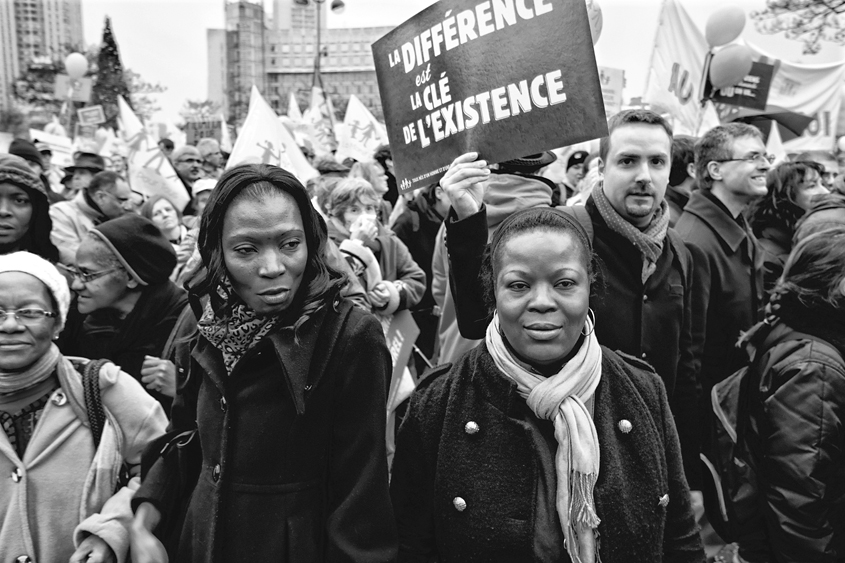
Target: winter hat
x=37, y=267
x=578, y=157
x=530, y=163
x=26, y=150
x=139, y=246
x=15, y=170
x=87, y=161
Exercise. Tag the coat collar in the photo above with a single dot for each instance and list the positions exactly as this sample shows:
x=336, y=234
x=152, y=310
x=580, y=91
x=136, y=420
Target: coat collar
x=722, y=224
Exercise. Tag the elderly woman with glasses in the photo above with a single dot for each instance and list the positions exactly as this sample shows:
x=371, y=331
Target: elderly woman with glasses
x=57, y=493
x=125, y=305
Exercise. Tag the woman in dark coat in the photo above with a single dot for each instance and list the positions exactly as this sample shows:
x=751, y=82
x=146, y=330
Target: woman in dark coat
x=793, y=435
x=540, y=445
x=284, y=383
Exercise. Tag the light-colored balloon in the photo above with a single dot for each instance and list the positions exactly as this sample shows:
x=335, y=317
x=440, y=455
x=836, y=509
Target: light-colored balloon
x=840, y=144
x=596, y=19
x=730, y=65
x=76, y=65
x=724, y=25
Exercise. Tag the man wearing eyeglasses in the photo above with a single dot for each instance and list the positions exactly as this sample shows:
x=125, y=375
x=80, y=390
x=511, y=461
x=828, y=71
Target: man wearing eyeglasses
x=731, y=165
x=107, y=197
x=187, y=161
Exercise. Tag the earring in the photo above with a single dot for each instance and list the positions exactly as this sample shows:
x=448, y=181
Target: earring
x=592, y=318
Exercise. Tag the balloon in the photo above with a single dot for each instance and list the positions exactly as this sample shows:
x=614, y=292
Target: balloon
x=840, y=144
x=730, y=65
x=76, y=65
x=724, y=25
x=596, y=19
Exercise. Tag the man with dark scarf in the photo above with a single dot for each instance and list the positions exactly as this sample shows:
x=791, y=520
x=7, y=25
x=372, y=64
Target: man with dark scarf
x=125, y=305
x=107, y=197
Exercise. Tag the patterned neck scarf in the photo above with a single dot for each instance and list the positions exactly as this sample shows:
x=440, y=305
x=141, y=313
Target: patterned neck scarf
x=560, y=398
x=236, y=334
x=649, y=242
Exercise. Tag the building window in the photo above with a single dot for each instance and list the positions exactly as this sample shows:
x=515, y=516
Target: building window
x=272, y=62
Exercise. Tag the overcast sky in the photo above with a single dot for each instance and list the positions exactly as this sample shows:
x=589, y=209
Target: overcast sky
x=165, y=40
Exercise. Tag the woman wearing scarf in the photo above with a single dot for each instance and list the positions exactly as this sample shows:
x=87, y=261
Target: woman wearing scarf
x=57, y=494
x=539, y=444
x=126, y=305
x=284, y=383
x=792, y=410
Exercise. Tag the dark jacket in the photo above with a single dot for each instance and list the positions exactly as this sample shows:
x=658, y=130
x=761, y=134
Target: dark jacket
x=293, y=452
x=796, y=443
x=497, y=470
x=776, y=244
x=144, y=331
x=676, y=200
x=728, y=291
x=417, y=228
x=652, y=322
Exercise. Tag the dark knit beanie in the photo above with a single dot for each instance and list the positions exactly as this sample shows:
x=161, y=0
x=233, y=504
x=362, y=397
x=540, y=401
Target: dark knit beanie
x=15, y=170
x=578, y=157
x=26, y=150
x=139, y=246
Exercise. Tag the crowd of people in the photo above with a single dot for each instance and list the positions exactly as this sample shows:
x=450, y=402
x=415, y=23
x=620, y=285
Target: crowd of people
x=211, y=382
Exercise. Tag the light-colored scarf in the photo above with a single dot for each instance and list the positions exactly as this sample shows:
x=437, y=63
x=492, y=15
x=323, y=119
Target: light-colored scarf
x=560, y=398
x=649, y=242
x=236, y=334
x=15, y=383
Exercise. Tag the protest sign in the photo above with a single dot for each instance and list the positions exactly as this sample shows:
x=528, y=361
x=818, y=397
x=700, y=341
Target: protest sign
x=265, y=139
x=752, y=92
x=150, y=172
x=400, y=334
x=612, y=83
x=505, y=78
x=360, y=134
x=196, y=129
x=79, y=90
x=93, y=115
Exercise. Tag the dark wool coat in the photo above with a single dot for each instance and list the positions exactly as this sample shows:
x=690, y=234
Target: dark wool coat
x=652, y=321
x=776, y=244
x=497, y=470
x=293, y=452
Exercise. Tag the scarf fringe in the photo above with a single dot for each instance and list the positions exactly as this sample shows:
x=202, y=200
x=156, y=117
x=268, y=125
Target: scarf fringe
x=583, y=509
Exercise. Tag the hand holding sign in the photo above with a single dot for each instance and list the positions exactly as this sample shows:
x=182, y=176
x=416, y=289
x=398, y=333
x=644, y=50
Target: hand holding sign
x=463, y=184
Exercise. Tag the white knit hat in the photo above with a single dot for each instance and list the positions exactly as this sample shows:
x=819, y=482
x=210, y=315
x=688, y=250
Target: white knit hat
x=37, y=267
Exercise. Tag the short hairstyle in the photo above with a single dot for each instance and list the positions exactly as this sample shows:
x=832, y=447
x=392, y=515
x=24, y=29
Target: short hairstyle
x=147, y=208
x=717, y=144
x=321, y=283
x=631, y=117
x=347, y=192
x=814, y=271
x=166, y=143
x=528, y=220
x=207, y=146
x=382, y=155
x=683, y=154
x=369, y=171
x=322, y=188
x=104, y=180
x=778, y=208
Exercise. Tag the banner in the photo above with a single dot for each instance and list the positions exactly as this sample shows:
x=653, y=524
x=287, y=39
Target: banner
x=464, y=75
x=264, y=138
x=752, y=92
x=612, y=84
x=674, y=78
x=150, y=172
x=196, y=129
x=360, y=134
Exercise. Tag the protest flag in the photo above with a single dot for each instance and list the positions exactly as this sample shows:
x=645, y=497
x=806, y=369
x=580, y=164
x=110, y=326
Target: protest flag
x=265, y=139
x=774, y=145
x=321, y=118
x=225, y=137
x=294, y=112
x=150, y=172
x=360, y=134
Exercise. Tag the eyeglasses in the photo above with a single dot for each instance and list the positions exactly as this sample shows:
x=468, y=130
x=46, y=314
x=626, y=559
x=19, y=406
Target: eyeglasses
x=754, y=157
x=27, y=316
x=87, y=277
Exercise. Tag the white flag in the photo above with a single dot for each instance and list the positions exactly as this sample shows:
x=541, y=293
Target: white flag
x=294, y=112
x=320, y=117
x=264, y=138
x=360, y=134
x=149, y=170
x=225, y=137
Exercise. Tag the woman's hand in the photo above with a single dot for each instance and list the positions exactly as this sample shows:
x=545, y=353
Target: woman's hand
x=379, y=295
x=364, y=229
x=463, y=184
x=143, y=545
x=159, y=375
x=93, y=550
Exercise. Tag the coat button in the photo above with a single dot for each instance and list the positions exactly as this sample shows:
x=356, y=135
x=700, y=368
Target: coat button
x=645, y=298
x=644, y=356
x=59, y=399
x=23, y=559
x=17, y=475
x=460, y=504
x=215, y=473
x=471, y=428
x=625, y=426
x=663, y=501
x=223, y=404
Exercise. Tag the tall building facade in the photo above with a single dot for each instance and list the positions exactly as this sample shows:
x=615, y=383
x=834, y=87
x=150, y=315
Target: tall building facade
x=33, y=31
x=288, y=56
